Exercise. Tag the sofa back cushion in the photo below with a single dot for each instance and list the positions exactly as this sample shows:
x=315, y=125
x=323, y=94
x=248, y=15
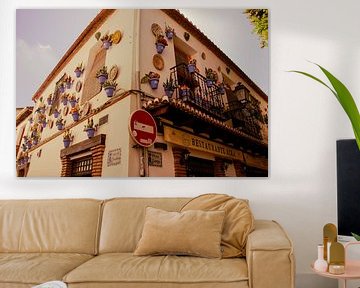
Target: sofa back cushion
x=123, y=220
x=66, y=226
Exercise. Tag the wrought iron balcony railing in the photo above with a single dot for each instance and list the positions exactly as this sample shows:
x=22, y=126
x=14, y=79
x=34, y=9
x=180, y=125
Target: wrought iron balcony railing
x=196, y=90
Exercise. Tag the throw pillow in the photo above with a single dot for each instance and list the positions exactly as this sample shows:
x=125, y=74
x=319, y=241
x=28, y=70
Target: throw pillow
x=196, y=233
x=238, y=223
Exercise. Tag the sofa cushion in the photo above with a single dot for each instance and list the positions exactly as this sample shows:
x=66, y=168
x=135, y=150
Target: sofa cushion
x=123, y=220
x=193, y=232
x=126, y=268
x=36, y=268
x=63, y=226
x=239, y=220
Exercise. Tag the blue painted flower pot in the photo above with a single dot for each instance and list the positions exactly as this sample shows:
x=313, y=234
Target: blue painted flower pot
x=191, y=68
x=169, y=92
x=160, y=47
x=75, y=116
x=154, y=82
x=72, y=103
x=185, y=93
x=49, y=101
x=43, y=124
x=66, y=143
x=35, y=141
x=209, y=83
x=60, y=126
x=169, y=35
x=78, y=73
x=102, y=78
x=42, y=110
x=110, y=91
x=62, y=89
x=56, y=114
x=90, y=132
x=106, y=44
x=28, y=144
x=65, y=101
x=68, y=85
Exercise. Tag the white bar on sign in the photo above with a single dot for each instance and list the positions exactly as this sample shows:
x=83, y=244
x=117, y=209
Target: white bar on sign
x=143, y=127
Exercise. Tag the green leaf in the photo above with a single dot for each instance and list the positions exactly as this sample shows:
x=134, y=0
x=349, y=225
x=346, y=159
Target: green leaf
x=357, y=237
x=344, y=97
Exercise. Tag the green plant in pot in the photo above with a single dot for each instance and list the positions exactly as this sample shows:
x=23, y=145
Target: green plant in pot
x=109, y=87
x=169, y=86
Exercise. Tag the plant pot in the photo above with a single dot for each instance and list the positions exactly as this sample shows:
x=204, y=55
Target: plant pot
x=75, y=116
x=42, y=110
x=68, y=85
x=154, y=82
x=60, y=126
x=65, y=101
x=43, y=124
x=191, y=68
x=35, y=141
x=110, y=91
x=209, y=83
x=28, y=145
x=169, y=35
x=49, y=101
x=159, y=48
x=56, y=114
x=62, y=89
x=106, y=44
x=169, y=92
x=72, y=103
x=102, y=78
x=78, y=73
x=31, y=120
x=90, y=132
x=185, y=94
x=66, y=143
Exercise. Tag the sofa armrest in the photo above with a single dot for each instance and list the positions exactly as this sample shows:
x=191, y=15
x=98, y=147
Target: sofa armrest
x=269, y=256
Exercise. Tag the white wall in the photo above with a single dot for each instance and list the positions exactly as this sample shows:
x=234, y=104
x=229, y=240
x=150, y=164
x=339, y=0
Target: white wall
x=305, y=122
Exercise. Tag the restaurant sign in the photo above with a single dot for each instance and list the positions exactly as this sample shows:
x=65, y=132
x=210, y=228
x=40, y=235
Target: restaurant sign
x=198, y=143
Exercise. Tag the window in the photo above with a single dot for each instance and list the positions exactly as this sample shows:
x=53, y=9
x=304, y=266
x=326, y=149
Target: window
x=82, y=167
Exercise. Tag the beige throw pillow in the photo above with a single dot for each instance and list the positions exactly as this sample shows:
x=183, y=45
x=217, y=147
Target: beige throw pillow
x=196, y=233
x=238, y=223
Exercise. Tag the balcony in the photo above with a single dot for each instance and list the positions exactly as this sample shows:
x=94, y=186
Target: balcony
x=194, y=89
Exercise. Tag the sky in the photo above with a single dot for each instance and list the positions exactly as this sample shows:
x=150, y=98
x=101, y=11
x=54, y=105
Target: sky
x=44, y=35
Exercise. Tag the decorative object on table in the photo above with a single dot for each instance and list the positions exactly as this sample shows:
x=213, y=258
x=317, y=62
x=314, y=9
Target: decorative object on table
x=337, y=258
x=60, y=123
x=158, y=62
x=68, y=82
x=210, y=77
x=79, y=70
x=152, y=78
x=192, y=65
x=107, y=41
x=169, y=86
x=86, y=108
x=321, y=264
x=109, y=87
x=114, y=71
x=344, y=97
x=186, y=36
x=67, y=138
x=78, y=86
x=329, y=237
x=116, y=37
x=102, y=75
x=160, y=44
x=49, y=99
x=64, y=99
x=169, y=32
x=73, y=100
x=90, y=128
x=75, y=113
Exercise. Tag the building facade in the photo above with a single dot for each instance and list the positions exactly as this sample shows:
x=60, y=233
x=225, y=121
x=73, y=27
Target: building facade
x=210, y=121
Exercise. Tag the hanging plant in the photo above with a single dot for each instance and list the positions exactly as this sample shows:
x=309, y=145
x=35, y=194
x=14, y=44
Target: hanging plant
x=169, y=32
x=169, y=86
x=64, y=99
x=210, y=77
x=68, y=82
x=75, y=113
x=192, y=65
x=67, y=138
x=152, y=78
x=102, y=75
x=60, y=123
x=184, y=92
x=73, y=100
x=109, y=87
x=56, y=113
x=160, y=44
x=49, y=99
x=90, y=128
x=79, y=70
x=107, y=41
x=61, y=87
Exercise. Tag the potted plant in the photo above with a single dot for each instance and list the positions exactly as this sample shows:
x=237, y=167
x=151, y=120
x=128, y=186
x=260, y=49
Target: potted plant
x=210, y=77
x=169, y=86
x=75, y=113
x=169, y=32
x=68, y=82
x=67, y=138
x=221, y=88
x=56, y=113
x=160, y=43
x=49, y=99
x=184, y=92
x=23, y=147
x=90, y=128
x=109, y=87
x=192, y=66
x=64, y=99
x=61, y=87
x=60, y=123
x=102, y=75
x=107, y=41
x=79, y=70
x=152, y=78
x=31, y=120
x=73, y=101
x=42, y=120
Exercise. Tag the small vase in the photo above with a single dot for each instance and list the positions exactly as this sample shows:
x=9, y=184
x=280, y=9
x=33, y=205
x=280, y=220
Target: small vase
x=320, y=264
x=169, y=35
x=102, y=78
x=110, y=91
x=59, y=127
x=56, y=114
x=160, y=47
x=77, y=73
x=68, y=85
x=154, y=82
x=90, y=132
x=66, y=143
x=191, y=68
x=75, y=116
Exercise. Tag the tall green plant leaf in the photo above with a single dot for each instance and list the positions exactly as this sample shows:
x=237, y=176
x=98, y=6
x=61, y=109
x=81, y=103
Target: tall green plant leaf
x=344, y=97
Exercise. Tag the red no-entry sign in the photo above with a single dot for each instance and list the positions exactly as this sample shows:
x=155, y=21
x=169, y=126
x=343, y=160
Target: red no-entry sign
x=142, y=128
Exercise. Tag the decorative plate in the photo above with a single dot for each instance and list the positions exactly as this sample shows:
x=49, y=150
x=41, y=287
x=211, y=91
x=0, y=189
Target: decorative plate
x=203, y=55
x=86, y=108
x=158, y=62
x=66, y=110
x=113, y=72
x=156, y=30
x=78, y=86
x=116, y=37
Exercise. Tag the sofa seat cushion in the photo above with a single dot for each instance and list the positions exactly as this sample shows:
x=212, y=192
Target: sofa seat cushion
x=127, y=268
x=36, y=268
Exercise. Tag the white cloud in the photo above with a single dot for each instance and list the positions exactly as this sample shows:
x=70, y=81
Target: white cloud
x=33, y=64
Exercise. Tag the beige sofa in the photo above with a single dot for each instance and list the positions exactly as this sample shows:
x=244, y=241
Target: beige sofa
x=89, y=243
